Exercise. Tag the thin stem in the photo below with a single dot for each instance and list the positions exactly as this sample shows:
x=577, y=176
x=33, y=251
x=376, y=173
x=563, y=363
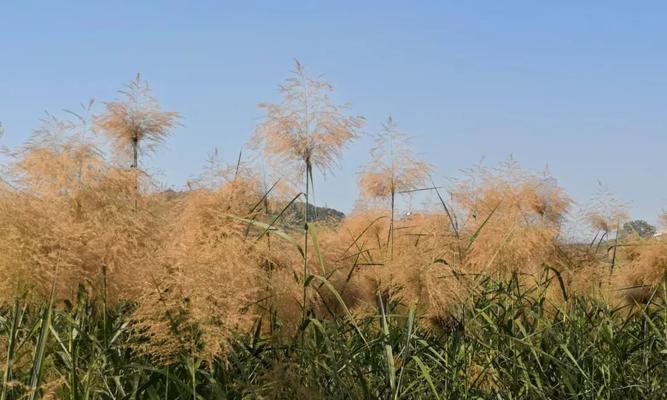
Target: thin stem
x=305, y=242
x=613, y=258
x=135, y=165
x=135, y=152
x=8, y=375
x=193, y=376
x=104, y=309
x=305, y=211
x=391, y=225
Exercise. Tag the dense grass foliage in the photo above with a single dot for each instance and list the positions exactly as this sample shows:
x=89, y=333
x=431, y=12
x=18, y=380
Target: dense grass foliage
x=502, y=343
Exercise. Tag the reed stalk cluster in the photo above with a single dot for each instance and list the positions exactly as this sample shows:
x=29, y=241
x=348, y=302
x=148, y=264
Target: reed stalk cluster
x=112, y=287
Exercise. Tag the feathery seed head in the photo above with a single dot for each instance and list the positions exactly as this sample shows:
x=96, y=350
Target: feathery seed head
x=305, y=130
x=136, y=123
x=393, y=167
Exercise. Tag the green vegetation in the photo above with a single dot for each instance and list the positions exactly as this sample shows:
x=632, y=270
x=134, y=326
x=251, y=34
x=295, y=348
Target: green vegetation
x=639, y=227
x=503, y=342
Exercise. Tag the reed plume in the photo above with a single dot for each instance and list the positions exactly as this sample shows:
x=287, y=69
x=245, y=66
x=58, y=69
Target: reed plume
x=605, y=213
x=305, y=131
x=513, y=219
x=136, y=124
x=393, y=170
x=71, y=216
x=201, y=290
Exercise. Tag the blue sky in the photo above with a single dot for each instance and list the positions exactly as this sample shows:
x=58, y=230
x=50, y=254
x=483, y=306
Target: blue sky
x=578, y=85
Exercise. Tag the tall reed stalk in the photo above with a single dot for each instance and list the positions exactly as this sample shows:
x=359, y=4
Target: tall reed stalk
x=393, y=169
x=304, y=133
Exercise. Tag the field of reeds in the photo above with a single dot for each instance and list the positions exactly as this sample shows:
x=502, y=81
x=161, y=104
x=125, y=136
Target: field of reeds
x=112, y=287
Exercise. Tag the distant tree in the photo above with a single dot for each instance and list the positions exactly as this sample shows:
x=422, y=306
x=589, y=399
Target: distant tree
x=640, y=227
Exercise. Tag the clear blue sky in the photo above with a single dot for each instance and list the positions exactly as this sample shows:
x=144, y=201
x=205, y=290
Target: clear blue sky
x=578, y=85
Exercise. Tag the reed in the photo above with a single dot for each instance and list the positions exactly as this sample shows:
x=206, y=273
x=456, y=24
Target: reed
x=303, y=133
x=114, y=290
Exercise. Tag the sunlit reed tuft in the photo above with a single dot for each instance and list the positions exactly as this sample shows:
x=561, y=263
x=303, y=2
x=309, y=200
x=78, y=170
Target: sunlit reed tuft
x=136, y=123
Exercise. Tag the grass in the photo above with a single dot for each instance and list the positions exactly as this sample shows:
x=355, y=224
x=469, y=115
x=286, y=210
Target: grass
x=505, y=343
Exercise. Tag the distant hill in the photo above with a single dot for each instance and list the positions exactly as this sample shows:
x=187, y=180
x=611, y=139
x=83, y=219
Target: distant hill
x=293, y=216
